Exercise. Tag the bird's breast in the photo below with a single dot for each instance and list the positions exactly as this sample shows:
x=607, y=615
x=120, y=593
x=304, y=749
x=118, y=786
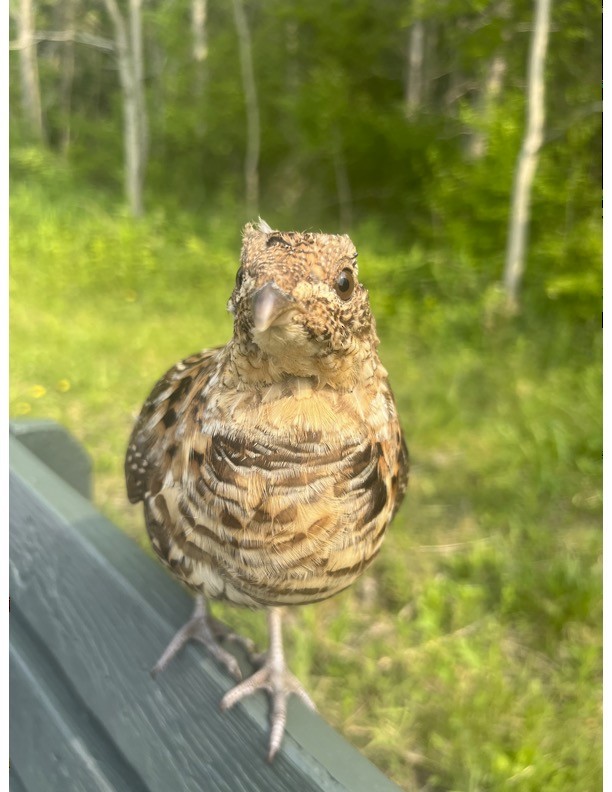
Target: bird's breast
x=281, y=496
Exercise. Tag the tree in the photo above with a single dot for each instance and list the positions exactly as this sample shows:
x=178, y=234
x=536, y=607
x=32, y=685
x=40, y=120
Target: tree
x=67, y=74
x=28, y=62
x=251, y=162
x=414, y=68
x=528, y=157
x=128, y=46
x=199, y=40
x=496, y=69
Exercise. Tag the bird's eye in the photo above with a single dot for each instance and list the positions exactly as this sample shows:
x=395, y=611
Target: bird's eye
x=239, y=277
x=345, y=284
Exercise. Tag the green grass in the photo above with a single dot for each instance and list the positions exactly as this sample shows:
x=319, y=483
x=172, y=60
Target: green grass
x=470, y=657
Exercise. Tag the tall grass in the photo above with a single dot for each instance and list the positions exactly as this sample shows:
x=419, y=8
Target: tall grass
x=470, y=657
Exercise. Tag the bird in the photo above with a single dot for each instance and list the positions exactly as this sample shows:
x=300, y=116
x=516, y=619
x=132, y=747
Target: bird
x=271, y=467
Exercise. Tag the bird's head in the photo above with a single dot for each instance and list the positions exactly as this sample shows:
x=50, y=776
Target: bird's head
x=299, y=308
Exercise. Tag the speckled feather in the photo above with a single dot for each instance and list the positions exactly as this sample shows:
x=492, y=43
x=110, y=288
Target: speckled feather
x=271, y=467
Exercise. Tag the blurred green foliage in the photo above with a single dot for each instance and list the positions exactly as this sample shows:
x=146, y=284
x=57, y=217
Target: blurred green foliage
x=470, y=658
x=336, y=140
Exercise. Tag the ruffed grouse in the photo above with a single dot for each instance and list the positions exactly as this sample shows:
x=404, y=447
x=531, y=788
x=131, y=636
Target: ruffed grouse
x=270, y=468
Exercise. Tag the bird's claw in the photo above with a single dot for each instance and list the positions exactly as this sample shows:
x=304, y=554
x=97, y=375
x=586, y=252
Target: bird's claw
x=203, y=628
x=279, y=684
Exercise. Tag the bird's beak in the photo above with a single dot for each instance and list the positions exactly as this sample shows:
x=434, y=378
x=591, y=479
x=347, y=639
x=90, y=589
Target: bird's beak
x=268, y=304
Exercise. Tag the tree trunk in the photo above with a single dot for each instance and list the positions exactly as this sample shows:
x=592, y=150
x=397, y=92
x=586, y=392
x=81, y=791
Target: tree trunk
x=415, y=52
x=138, y=67
x=199, y=38
x=528, y=157
x=128, y=45
x=67, y=76
x=28, y=63
x=199, y=50
x=491, y=91
x=251, y=163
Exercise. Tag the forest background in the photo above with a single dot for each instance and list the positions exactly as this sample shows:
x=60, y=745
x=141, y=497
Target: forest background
x=144, y=133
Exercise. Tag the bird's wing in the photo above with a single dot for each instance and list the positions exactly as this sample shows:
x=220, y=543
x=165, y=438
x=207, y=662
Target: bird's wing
x=396, y=454
x=403, y=466
x=168, y=401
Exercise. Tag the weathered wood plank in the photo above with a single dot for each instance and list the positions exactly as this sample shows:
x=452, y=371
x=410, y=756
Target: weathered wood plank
x=49, y=720
x=103, y=611
x=56, y=447
x=15, y=783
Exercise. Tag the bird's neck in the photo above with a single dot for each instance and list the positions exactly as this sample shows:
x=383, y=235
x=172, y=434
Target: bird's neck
x=250, y=367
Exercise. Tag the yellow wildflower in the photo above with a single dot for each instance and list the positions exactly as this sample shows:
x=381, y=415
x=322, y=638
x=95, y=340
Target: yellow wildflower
x=37, y=391
x=63, y=385
x=23, y=408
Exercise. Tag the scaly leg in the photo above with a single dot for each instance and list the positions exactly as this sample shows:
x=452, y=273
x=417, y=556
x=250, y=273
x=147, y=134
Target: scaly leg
x=203, y=627
x=274, y=677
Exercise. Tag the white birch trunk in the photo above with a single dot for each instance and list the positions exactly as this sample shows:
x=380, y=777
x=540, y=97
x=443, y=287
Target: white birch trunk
x=138, y=67
x=251, y=163
x=413, y=89
x=28, y=65
x=492, y=89
x=199, y=38
x=67, y=77
x=199, y=51
x=128, y=46
x=528, y=157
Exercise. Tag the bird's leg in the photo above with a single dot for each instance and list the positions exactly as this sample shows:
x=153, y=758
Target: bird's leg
x=274, y=677
x=203, y=627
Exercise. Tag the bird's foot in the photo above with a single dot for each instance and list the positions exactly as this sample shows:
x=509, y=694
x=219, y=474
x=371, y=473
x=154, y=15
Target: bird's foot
x=279, y=682
x=207, y=630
